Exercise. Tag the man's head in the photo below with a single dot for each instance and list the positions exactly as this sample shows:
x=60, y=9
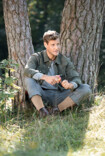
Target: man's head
x=51, y=43
x=50, y=35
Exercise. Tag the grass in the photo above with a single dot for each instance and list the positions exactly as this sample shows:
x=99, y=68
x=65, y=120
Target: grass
x=76, y=132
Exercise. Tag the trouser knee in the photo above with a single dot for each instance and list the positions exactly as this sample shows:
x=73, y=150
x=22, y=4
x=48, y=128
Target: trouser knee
x=81, y=93
x=32, y=87
x=85, y=90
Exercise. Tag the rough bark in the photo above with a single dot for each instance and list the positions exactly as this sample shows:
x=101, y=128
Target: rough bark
x=101, y=77
x=81, y=33
x=18, y=38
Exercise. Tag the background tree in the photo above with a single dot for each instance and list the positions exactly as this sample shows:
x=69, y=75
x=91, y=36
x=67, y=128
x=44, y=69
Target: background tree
x=101, y=78
x=18, y=38
x=3, y=44
x=44, y=15
x=81, y=33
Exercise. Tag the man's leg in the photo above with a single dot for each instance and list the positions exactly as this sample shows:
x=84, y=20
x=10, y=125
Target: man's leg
x=35, y=92
x=68, y=102
x=81, y=93
x=37, y=101
x=68, y=99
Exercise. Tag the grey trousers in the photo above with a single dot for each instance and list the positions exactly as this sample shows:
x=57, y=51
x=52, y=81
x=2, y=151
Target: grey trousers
x=54, y=97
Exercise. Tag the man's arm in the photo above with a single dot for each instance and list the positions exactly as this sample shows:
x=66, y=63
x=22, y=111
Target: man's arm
x=72, y=75
x=31, y=66
x=51, y=79
x=30, y=71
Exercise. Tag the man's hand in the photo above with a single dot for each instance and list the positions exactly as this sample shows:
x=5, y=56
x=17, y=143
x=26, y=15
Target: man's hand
x=67, y=85
x=51, y=79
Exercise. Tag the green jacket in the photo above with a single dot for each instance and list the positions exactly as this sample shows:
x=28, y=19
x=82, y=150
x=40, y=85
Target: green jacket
x=39, y=62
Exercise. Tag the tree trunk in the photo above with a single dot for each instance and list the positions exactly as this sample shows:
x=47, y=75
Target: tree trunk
x=18, y=39
x=81, y=33
x=101, y=77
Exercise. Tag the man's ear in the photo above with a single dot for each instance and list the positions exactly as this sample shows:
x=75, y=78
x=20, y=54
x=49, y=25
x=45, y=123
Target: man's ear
x=45, y=44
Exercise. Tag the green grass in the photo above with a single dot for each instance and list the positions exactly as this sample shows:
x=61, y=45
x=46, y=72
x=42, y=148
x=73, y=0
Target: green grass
x=76, y=132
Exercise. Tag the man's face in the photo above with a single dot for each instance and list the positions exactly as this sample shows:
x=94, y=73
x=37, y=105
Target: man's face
x=53, y=47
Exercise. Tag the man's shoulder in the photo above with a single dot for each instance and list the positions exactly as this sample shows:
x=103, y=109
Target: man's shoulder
x=64, y=58
x=38, y=53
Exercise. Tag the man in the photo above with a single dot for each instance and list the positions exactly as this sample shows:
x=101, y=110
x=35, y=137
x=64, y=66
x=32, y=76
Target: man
x=51, y=77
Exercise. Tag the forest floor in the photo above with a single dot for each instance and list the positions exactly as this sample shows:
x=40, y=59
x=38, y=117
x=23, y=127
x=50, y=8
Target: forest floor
x=77, y=132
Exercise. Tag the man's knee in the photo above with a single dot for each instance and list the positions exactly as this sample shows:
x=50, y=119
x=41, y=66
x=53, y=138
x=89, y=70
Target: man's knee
x=30, y=83
x=85, y=89
x=32, y=87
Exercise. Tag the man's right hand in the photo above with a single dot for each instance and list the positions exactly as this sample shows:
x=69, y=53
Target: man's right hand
x=51, y=79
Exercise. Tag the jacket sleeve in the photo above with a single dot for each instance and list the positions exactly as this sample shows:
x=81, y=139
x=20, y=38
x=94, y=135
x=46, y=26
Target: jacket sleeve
x=31, y=66
x=71, y=73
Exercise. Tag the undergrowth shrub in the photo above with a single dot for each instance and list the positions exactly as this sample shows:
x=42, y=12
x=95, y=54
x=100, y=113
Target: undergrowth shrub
x=8, y=89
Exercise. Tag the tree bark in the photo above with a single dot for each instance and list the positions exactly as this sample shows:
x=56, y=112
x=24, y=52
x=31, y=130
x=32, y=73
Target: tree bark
x=18, y=39
x=81, y=33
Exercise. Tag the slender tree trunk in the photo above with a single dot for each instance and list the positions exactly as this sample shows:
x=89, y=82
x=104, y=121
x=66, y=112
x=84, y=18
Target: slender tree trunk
x=81, y=33
x=18, y=39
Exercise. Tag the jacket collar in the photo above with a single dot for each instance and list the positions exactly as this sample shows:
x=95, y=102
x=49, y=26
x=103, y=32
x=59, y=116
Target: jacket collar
x=46, y=58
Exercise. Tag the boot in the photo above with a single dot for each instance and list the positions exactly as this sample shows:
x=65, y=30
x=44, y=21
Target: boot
x=38, y=103
x=55, y=110
x=43, y=112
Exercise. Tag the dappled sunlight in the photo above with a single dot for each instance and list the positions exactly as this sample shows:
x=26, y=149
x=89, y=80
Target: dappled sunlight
x=10, y=136
x=94, y=141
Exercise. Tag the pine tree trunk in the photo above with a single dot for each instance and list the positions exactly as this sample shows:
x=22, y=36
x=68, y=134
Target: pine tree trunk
x=81, y=33
x=18, y=39
x=101, y=77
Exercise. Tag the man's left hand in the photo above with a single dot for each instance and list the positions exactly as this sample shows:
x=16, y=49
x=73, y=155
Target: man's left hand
x=67, y=85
